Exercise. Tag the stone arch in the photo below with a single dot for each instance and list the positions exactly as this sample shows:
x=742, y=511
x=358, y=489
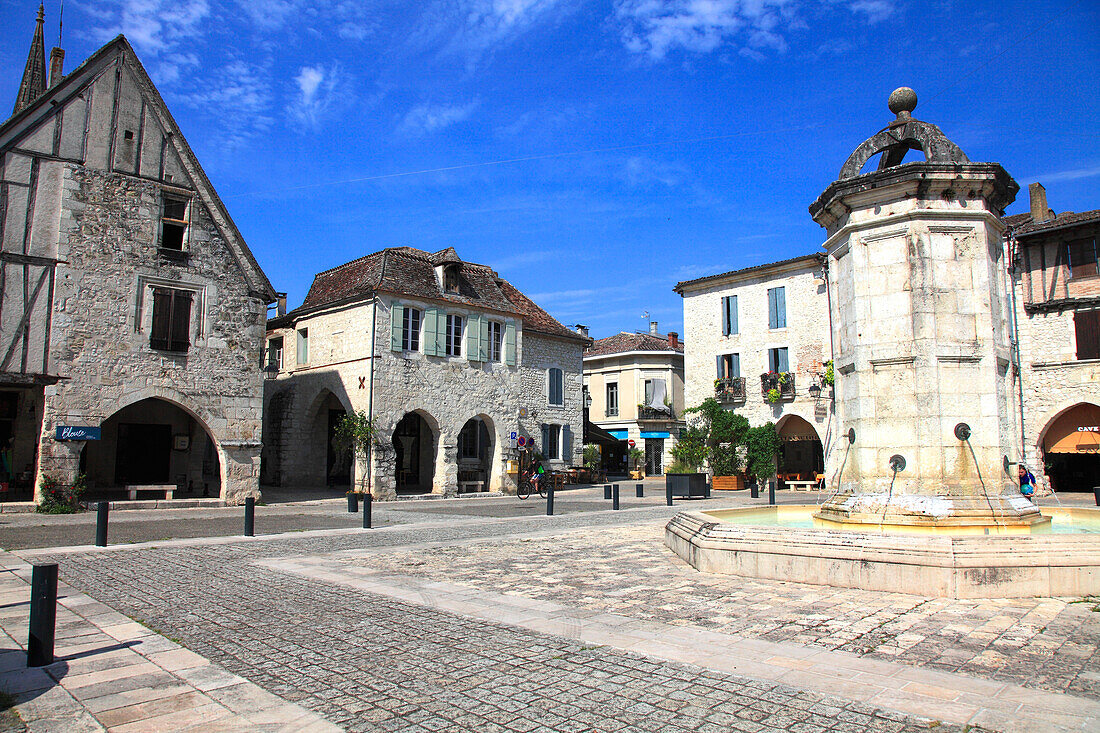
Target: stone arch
x=803, y=452
x=419, y=463
x=1065, y=469
x=320, y=462
x=154, y=440
x=484, y=468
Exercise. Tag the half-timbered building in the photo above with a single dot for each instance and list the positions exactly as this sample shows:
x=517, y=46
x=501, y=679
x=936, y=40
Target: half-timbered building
x=131, y=310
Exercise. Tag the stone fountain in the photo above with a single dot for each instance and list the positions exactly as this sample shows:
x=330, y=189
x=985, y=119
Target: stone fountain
x=923, y=492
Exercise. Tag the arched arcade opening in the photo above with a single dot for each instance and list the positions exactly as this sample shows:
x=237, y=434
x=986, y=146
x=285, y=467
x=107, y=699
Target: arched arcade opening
x=1071, y=447
x=152, y=442
x=414, y=442
x=475, y=456
x=801, y=454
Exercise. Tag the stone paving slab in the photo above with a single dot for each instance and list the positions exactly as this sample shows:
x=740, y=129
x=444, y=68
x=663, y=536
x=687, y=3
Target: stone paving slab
x=370, y=662
x=930, y=693
x=114, y=674
x=1047, y=643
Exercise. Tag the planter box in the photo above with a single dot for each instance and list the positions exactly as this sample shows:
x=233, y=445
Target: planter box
x=728, y=483
x=689, y=485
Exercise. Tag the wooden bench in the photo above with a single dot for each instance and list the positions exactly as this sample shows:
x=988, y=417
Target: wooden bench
x=467, y=487
x=168, y=489
x=802, y=485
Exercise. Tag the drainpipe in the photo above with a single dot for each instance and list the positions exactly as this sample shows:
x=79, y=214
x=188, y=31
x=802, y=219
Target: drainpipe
x=832, y=354
x=370, y=399
x=1010, y=240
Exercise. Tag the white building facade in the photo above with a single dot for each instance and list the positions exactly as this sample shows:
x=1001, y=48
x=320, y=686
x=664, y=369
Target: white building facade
x=757, y=339
x=452, y=363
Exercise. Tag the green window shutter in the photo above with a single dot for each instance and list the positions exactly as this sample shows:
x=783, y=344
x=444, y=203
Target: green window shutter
x=510, y=344
x=397, y=317
x=483, y=341
x=431, y=332
x=473, y=333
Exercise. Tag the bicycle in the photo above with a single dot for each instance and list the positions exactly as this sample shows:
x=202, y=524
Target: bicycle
x=531, y=479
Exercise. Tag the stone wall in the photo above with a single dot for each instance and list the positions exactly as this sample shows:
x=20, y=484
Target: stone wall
x=102, y=316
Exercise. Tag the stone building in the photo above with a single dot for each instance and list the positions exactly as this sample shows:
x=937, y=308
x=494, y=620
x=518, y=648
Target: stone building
x=132, y=309
x=758, y=341
x=636, y=384
x=450, y=361
x=1056, y=291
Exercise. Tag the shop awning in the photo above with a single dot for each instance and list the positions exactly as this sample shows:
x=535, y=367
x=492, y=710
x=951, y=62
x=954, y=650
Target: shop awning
x=593, y=433
x=1077, y=430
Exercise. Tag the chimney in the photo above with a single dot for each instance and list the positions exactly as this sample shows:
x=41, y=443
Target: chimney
x=280, y=308
x=673, y=339
x=1039, y=210
x=57, y=61
x=582, y=329
x=653, y=328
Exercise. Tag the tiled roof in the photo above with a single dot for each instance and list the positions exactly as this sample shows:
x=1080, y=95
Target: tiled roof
x=1023, y=225
x=624, y=342
x=815, y=257
x=410, y=272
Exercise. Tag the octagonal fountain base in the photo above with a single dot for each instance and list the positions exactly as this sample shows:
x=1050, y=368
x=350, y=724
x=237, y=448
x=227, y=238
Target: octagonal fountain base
x=782, y=543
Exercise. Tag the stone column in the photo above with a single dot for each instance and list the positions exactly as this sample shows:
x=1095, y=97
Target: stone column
x=240, y=471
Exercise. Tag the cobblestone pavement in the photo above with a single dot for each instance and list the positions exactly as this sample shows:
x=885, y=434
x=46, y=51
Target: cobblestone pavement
x=369, y=662
x=1048, y=643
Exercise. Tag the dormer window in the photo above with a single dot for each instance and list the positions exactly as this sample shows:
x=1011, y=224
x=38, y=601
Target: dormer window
x=450, y=279
x=173, y=223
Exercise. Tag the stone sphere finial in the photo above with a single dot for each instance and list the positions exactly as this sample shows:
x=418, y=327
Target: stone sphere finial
x=902, y=102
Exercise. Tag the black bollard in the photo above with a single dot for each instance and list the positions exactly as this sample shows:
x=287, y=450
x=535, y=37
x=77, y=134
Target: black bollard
x=754, y=489
x=771, y=492
x=639, y=491
x=353, y=502
x=43, y=615
x=615, y=497
x=668, y=494
x=549, y=501
x=250, y=517
x=607, y=491
x=1096, y=494
x=102, y=508
x=367, y=499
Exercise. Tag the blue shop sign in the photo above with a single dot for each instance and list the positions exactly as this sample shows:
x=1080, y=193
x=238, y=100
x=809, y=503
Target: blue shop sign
x=620, y=434
x=77, y=432
x=656, y=434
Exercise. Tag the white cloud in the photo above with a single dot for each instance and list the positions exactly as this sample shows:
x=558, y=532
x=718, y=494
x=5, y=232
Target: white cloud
x=153, y=27
x=643, y=172
x=1073, y=174
x=317, y=91
x=428, y=118
x=754, y=27
x=238, y=95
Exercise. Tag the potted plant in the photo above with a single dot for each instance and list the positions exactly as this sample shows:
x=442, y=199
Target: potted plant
x=354, y=433
x=773, y=395
x=636, y=457
x=724, y=461
x=684, y=477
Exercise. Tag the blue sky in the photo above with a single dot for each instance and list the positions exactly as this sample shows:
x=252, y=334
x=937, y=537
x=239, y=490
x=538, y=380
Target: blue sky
x=594, y=153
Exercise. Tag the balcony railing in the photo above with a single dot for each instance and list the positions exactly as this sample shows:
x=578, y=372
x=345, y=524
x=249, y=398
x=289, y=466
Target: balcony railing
x=730, y=389
x=654, y=413
x=783, y=382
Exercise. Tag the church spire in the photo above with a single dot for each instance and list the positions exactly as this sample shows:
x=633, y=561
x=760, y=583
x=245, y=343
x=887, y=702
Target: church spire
x=34, y=76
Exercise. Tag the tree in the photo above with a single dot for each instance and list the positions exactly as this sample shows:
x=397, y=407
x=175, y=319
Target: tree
x=763, y=447
x=355, y=434
x=722, y=432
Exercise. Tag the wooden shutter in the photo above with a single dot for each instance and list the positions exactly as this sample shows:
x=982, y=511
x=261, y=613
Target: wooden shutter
x=545, y=440
x=783, y=365
x=397, y=326
x=1087, y=325
x=735, y=366
x=483, y=349
x=180, y=336
x=162, y=319
x=510, y=344
x=431, y=332
x=781, y=307
x=566, y=443
x=473, y=336
x=720, y=373
x=726, y=316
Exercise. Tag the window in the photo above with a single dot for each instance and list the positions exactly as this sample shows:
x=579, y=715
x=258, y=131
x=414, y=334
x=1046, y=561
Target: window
x=173, y=223
x=1087, y=326
x=450, y=279
x=556, y=391
x=410, y=329
x=496, y=341
x=777, y=360
x=729, y=315
x=729, y=366
x=777, y=307
x=551, y=442
x=275, y=353
x=303, y=346
x=453, y=345
x=171, y=329
x=1082, y=258
x=648, y=391
x=612, y=406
